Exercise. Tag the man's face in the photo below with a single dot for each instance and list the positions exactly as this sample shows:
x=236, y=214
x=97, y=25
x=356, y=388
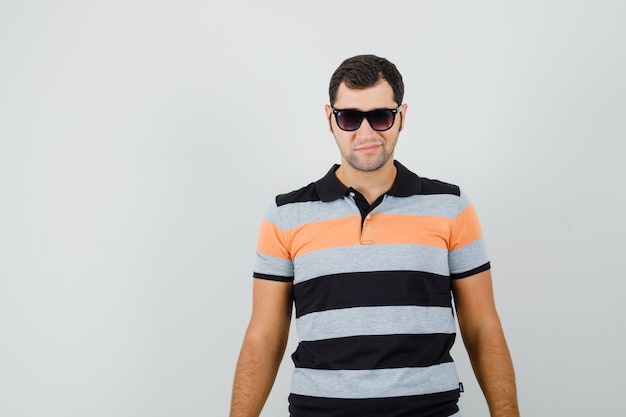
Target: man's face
x=366, y=149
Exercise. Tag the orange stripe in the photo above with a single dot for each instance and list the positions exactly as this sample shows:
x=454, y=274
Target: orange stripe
x=466, y=228
x=272, y=241
x=407, y=229
x=326, y=234
x=379, y=229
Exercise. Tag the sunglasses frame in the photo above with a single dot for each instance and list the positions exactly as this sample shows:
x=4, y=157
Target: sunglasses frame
x=366, y=115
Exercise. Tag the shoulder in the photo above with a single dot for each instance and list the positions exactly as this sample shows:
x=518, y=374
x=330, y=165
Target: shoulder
x=409, y=183
x=446, y=194
x=325, y=189
x=301, y=195
x=433, y=186
x=299, y=207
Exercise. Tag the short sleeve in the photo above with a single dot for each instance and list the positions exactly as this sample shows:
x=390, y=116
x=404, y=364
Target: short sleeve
x=273, y=259
x=467, y=252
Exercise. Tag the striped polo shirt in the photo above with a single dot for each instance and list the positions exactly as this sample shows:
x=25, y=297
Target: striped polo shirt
x=372, y=293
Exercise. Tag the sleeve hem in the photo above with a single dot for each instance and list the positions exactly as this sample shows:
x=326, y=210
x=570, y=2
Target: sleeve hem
x=471, y=272
x=272, y=277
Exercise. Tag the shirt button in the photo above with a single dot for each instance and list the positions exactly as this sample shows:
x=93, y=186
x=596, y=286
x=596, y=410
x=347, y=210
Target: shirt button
x=352, y=194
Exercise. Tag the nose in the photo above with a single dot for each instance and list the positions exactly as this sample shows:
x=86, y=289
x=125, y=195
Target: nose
x=365, y=129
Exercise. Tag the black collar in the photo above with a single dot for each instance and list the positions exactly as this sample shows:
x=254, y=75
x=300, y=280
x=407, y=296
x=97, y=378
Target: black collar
x=406, y=184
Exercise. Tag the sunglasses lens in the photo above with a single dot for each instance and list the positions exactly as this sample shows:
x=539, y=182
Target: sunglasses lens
x=381, y=119
x=349, y=119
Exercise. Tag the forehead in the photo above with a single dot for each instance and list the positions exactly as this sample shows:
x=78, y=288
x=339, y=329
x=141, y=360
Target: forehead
x=380, y=95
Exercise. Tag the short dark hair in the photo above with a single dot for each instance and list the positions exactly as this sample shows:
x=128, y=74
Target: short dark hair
x=363, y=71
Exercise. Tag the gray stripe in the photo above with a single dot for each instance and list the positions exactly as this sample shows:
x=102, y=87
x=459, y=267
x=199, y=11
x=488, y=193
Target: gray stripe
x=464, y=202
x=441, y=205
x=363, y=258
x=468, y=257
x=378, y=383
x=368, y=321
x=270, y=265
x=297, y=214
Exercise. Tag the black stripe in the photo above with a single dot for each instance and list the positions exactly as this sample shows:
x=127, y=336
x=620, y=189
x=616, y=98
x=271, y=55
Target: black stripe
x=368, y=289
x=408, y=183
x=375, y=352
x=433, y=187
x=471, y=272
x=272, y=277
x=304, y=194
x=442, y=404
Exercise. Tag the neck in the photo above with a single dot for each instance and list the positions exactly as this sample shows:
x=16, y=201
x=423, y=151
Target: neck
x=372, y=184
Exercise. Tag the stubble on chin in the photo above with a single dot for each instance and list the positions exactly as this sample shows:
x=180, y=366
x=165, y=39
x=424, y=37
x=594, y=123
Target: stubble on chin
x=361, y=164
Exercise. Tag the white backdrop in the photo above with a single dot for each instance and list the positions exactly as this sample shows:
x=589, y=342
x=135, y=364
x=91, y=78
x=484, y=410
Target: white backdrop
x=141, y=142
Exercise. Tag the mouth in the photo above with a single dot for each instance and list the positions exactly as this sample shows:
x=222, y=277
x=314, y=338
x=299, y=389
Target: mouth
x=368, y=148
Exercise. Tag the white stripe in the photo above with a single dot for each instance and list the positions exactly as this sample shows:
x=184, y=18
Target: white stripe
x=468, y=257
x=297, y=214
x=293, y=215
x=365, y=258
x=271, y=265
x=378, y=383
x=370, y=321
x=440, y=205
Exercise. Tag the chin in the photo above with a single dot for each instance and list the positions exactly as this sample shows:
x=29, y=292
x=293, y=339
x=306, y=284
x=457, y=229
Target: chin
x=368, y=166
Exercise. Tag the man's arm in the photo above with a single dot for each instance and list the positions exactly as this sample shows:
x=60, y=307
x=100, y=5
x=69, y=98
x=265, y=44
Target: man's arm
x=485, y=343
x=263, y=347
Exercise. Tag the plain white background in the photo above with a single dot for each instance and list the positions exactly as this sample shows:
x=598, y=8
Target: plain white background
x=141, y=142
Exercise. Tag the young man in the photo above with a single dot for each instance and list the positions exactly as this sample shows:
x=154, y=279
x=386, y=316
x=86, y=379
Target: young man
x=372, y=255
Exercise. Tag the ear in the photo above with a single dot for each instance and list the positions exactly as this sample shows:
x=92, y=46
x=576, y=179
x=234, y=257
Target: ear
x=403, y=118
x=328, y=117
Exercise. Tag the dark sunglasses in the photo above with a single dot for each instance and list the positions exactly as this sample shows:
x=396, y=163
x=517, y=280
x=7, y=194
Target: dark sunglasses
x=379, y=119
